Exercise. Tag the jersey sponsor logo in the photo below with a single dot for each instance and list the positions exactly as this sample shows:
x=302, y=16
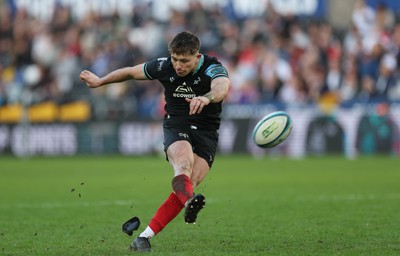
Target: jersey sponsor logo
x=183, y=95
x=184, y=91
x=184, y=88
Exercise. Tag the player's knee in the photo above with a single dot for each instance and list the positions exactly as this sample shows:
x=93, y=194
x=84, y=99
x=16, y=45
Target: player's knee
x=184, y=167
x=195, y=183
x=196, y=179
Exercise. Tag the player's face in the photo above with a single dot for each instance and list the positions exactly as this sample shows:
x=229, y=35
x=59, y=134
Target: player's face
x=184, y=64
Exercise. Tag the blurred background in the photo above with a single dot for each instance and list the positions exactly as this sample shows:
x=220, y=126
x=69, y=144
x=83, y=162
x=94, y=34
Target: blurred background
x=333, y=65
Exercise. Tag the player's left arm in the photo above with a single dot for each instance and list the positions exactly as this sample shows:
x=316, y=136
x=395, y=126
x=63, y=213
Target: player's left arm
x=219, y=91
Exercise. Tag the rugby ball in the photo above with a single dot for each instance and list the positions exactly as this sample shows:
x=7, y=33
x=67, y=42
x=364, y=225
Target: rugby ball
x=272, y=129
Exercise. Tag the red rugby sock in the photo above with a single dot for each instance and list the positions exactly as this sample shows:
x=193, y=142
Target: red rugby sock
x=167, y=212
x=182, y=187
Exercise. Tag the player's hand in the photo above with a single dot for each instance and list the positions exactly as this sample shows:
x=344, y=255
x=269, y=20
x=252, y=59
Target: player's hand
x=197, y=104
x=91, y=79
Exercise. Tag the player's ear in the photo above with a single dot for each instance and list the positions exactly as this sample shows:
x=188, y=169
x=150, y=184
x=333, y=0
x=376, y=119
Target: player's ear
x=198, y=56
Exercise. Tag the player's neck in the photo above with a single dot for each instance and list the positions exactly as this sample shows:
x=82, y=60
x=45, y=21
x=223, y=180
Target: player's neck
x=199, y=64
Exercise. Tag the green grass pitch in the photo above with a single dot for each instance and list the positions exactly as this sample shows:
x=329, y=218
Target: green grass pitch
x=315, y=206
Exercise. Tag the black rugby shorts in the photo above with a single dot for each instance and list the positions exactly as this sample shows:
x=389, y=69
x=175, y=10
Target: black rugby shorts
x=204, y=142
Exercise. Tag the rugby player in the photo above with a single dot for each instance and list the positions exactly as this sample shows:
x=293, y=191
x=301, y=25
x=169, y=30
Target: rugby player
x=195, y=85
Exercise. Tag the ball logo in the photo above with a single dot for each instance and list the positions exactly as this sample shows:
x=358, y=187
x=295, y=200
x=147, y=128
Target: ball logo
x=270, y=129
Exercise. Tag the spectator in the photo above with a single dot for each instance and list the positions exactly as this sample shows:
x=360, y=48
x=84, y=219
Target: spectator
x=270, y=57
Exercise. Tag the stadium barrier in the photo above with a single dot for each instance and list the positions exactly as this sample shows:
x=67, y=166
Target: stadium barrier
x=46, y=112
x=359, y=130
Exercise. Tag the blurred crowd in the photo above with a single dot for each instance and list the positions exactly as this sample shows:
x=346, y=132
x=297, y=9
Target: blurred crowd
x=271, y=58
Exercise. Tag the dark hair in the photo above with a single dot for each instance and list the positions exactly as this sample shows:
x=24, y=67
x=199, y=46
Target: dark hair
x=184, y=43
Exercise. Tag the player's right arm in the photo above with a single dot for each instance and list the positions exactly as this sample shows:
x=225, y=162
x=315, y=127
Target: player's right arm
x=116, y=76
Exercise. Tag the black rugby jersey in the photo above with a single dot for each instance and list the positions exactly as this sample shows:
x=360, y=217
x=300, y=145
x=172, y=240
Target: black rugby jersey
x=176, y=89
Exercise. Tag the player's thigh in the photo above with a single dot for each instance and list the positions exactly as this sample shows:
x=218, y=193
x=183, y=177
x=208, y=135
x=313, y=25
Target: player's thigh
x=205, y=144
x=180, y=156
x=200, y=170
